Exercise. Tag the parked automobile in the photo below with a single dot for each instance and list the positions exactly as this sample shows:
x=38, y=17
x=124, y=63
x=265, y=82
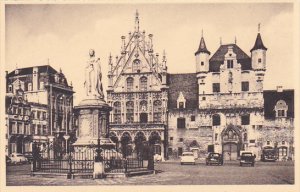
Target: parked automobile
x=247, y=158
x=8, y=160
x=18, y=158
x=269, y=155
x=187, y=158
x=214, y=158
x=29, y=156
x=157, y=158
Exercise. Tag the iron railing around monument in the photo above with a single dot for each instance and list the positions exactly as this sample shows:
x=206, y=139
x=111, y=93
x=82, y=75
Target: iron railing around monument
x=83, y=163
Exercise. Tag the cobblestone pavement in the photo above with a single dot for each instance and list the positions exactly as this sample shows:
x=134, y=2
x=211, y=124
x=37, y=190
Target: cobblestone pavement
x=172, y=173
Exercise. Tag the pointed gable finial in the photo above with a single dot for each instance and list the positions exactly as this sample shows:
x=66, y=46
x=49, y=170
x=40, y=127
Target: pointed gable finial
x=234, y=39
x=16, y=65
x=202, y=33
x=258, y=27
x=137, y=22
x=220, y=40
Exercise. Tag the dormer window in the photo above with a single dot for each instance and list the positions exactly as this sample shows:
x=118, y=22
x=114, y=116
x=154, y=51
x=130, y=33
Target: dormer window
x=281, y=109
x=229, y=64
x=181, y=101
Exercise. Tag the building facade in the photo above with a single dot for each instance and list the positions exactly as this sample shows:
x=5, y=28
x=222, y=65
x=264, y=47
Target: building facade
x=50, y=118
x=221, y=108
x=137, y=91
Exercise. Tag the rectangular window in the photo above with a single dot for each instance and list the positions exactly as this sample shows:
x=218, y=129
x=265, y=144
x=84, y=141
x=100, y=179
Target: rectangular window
x=171, y=138
x=229, y=64
x=180, y=123
x=216, y=136
x=38, y=115
x=203, y=98
x=180, y=139
x=179, y=151
x=193, y=118
x=245, y=86
x=245, y=119
x=252, y=141
x=170, y=151
x=202, y=63
x=216, y=87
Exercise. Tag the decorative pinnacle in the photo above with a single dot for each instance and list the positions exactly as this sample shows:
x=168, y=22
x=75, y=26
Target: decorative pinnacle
x=234, y=39
x=258, y=27
x=220, y=40
x=202, y=33
x=137, y=22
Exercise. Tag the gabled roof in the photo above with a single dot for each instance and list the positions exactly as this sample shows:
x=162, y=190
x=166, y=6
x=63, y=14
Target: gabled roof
x=29, y=70
x=202, y=47
x=185, y=83
x=258, y=43
x=218, y=58
x=271, y=97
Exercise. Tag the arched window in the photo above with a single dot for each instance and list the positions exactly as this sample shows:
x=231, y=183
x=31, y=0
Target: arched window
x=117, y=112
x=143, y=106
x=129, y=82
x=143, y=83
x=136, y=66
x=157, y=111
x=129, y=111
x=216, y=120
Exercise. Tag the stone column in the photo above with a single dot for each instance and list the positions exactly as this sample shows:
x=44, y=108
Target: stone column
x=51, y=151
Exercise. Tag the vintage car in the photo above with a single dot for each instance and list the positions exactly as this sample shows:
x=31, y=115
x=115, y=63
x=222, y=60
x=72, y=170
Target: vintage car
x=29, y=156
x=214, y=158
x=269, y=155
x=247, y=158
x=187, y=158
x=157, y=158
x=8, y=160
x=18, y=158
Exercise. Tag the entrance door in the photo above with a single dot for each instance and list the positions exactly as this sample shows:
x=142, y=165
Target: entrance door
x=230, y=151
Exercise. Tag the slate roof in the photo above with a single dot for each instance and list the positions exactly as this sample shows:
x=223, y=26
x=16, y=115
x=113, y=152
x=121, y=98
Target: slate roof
x=258, y=43
x=202, y=47
x=185, y=83
x=218, y=58
x=272, y=96
x=28, y=70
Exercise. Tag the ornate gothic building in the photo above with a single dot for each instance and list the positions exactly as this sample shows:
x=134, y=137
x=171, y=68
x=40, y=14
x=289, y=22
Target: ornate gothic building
x=138, y=93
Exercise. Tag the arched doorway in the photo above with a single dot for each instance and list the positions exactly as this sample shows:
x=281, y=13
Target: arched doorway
x=194, y=147
x=140, y=145
x=126, y=144
x=155, y=142
x=113, y=137
x=231, y=138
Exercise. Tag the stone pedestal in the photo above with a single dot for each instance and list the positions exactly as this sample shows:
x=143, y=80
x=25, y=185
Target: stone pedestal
x=98, y=170
x=93, y=123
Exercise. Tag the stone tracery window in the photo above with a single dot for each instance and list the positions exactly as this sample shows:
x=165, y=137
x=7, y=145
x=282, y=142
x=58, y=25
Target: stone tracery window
x=136, y=65
x=143, y=83
x=117, y=112
x=129, y=111
x=129, y=82
x=157, y=111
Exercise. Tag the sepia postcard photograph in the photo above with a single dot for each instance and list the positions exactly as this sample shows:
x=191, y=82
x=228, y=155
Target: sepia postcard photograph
x=162, y=95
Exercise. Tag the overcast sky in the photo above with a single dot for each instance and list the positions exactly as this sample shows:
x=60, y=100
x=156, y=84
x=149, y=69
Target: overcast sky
x=65, y=33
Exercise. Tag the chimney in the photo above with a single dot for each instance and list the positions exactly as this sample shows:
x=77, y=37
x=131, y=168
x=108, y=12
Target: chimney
x=279, y=88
